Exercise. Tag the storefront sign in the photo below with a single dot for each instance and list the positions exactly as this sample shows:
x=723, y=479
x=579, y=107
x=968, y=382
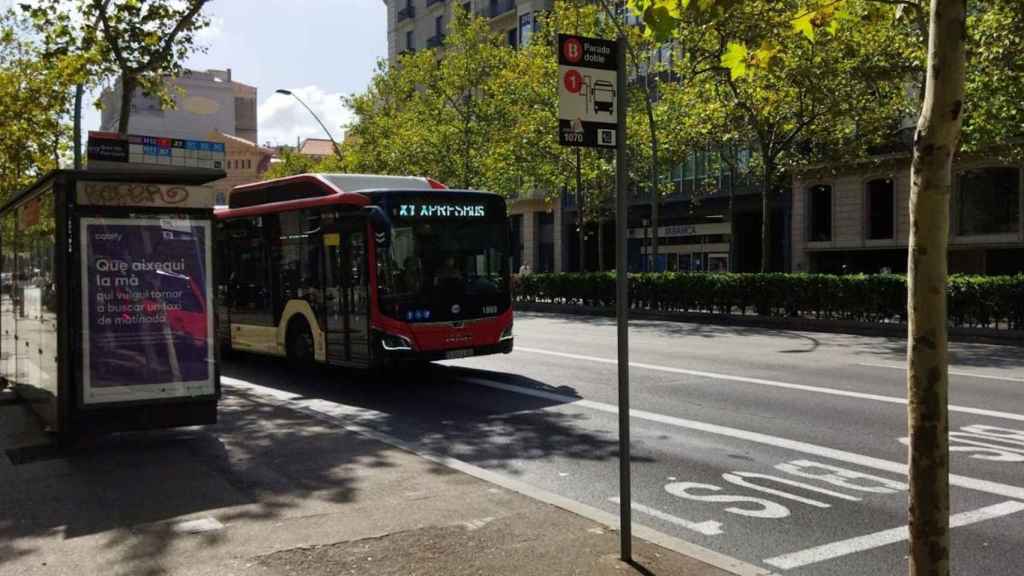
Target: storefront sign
x=144, y=195
x=147, y=327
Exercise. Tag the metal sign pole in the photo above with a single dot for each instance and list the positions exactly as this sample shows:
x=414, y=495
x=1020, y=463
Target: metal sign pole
x=622, y=306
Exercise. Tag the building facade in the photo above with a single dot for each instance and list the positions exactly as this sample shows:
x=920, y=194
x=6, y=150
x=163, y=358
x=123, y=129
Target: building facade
x=856, y=217
x=244, y=162
x=418, y=24
x=205, y=101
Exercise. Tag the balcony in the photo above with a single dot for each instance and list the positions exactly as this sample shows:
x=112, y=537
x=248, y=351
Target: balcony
x=500, y=7
x=435, y=41
x=407, y=12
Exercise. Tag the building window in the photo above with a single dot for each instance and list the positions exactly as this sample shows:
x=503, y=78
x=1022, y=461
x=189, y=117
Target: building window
x=988, y=201
x=466, y=8
x=819, y=200
x=511, y=36
x=525, y=28
x=408, y=41
x=880, y=209
x=439, y=26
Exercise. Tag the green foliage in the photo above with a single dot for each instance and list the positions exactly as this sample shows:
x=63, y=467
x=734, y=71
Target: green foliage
x=482, y=116
x=292, y=163
x=34, y=105
x=994, y=109
x=976, y=301
x=140, y=41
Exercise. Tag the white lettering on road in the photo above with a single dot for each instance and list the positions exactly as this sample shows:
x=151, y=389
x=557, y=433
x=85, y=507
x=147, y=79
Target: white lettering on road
x=986, y=443
x=883, y=538
x=776, y=384
x=707, y=528
x=741, y=479
x=841, y=477
x=999, y=489
x=766, y=508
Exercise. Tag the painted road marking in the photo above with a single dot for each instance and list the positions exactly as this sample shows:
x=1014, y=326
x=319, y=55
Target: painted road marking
x=884, y=538
x=954, y=371
x=342, y=416
x=986, y=443
x=1004, y=490
x=775, y=383
x=707, y=528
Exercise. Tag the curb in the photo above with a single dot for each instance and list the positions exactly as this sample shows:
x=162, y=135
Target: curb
x=971, y=335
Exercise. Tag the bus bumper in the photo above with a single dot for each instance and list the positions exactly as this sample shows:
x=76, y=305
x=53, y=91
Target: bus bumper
x=504, y=347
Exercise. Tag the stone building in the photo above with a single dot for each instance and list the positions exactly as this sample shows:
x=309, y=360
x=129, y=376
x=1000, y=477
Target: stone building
x=855, y=217
x=244, y=162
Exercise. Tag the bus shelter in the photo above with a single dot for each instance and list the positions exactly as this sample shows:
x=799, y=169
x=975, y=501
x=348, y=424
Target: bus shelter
x=105, y=316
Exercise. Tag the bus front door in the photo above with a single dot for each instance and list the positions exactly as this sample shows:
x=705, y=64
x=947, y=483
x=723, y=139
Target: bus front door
x=347, y=302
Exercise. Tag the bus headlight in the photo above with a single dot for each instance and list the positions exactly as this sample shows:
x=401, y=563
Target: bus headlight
x=506, y=334
x=394, y=343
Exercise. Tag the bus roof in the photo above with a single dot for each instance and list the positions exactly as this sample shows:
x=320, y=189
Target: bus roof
x=321, y=189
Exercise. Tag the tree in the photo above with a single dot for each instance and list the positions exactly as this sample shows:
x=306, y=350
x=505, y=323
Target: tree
x=290, y=164
x=144, y=41
x=478, y=114
x=817, y=100
x=34, y=106
x=935, y=143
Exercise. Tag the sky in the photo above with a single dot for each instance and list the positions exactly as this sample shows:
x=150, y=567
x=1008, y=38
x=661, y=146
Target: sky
x=319, y=49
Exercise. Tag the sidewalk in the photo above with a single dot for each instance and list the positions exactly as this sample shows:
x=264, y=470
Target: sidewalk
x=271, y=491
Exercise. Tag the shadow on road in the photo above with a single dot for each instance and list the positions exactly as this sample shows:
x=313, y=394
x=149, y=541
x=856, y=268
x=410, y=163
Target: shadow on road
x=439, y=409
x=267, y=462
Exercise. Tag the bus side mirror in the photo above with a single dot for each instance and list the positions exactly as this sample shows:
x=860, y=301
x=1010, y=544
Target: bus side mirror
x=381, y=225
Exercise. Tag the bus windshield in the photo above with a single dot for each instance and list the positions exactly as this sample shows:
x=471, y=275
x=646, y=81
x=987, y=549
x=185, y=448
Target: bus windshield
x=445, y=262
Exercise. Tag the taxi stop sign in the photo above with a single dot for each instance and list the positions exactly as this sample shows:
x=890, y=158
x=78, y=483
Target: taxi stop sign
x=587, y=92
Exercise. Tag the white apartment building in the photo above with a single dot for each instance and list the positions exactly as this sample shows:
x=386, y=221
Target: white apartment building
x=205, y=101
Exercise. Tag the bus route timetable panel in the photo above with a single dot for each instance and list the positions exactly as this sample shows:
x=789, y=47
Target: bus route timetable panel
x=136, y=149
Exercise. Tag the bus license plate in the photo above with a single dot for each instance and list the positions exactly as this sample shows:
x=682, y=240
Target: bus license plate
x=453, y=354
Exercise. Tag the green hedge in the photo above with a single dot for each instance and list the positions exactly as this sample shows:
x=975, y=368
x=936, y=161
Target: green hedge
x=975, y=301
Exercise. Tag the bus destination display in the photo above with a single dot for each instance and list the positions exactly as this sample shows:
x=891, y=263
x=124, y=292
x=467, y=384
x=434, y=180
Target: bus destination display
x=439, y=210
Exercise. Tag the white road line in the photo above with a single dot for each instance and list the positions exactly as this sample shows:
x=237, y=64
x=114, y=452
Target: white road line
x=348, y=417
x=953, y=371
x=1004, y=490
x=883, y=538
x=776, y=384
x=707, y=528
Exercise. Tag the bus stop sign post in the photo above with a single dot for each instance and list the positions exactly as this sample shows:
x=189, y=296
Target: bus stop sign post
x=592, y=113
x=622, y=308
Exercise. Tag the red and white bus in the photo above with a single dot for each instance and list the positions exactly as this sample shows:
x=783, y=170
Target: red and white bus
x=362, y=271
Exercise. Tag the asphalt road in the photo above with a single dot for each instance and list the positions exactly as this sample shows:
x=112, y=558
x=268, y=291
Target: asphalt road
x=778, y=448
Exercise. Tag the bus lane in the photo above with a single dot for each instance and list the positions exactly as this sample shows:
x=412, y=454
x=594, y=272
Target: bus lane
x=801, y=507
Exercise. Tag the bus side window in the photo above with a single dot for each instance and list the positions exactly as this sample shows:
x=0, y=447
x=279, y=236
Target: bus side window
x=247, y=281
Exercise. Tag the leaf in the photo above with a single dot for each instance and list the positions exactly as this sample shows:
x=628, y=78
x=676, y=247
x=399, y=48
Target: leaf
x=763, y=56
x=735, y=59
x=805, y=24
x=660, y=22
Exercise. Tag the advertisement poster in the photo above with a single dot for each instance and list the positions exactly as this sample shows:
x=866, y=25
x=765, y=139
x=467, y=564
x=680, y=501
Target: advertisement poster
x=147, y=324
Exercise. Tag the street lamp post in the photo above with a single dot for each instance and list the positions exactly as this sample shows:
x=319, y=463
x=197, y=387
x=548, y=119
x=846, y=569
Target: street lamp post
x=337, y=151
